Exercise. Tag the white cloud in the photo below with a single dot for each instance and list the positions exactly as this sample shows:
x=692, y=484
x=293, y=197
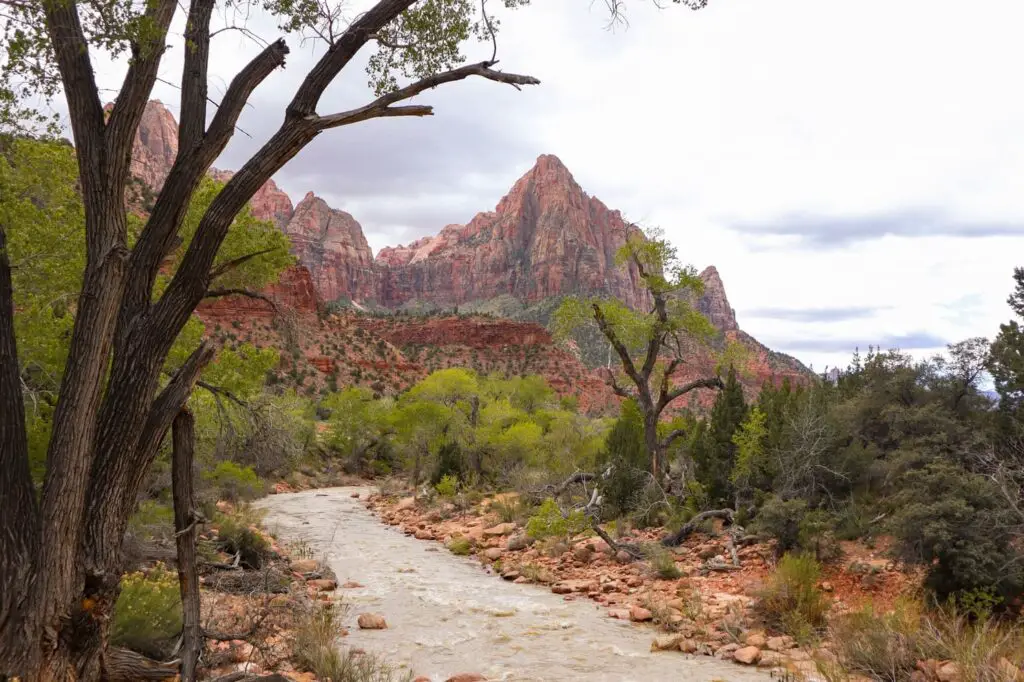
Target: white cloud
x=744, y=112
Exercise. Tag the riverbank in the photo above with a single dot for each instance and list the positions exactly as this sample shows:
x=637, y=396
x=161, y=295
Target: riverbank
x=704, y=610
x=444, y=616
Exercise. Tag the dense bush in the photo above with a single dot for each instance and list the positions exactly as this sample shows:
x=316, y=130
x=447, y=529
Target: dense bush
x=549, y=522
x=234, y=483
x=957, y=524
x=238, y=533
x=147, y=615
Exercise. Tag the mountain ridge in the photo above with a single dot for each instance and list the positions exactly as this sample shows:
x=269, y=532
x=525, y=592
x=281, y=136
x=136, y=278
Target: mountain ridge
x=544, y=240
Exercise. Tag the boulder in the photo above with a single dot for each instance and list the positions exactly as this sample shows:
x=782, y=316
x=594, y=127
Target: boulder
x=756, y=639
x=519, y=541
x=499, y=530
x=639, y=614
x=621, y=614
x=777, y=643
x=771, y=659
x=323, y=584
x=424, y=534
x=949, y=672
x=748, y=655
x=466, y=677
x=494, y=553
x=666, y=643
x=405, y=503
x=623, y=557
x=305, y=565
x=687, y=646
x=371, y=621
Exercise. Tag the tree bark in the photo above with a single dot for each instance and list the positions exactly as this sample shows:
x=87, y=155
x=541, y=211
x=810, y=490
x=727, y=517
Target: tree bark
x=19, y=514
x=185, y=532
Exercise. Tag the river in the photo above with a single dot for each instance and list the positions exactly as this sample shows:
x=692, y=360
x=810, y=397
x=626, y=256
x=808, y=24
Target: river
x=447, y=615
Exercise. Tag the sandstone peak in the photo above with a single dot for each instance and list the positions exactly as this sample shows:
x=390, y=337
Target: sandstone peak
x=714, y=303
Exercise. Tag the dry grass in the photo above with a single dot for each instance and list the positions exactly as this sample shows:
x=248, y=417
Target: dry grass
x=791, y=601
x=317, y=649
x=888, y=646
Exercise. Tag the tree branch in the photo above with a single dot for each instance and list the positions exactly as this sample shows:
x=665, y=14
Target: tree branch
x=224, y=268
x=678, y=433
x=192, y=121
x=382, y=105
x=189, y=167
x=134, y=93
x=218, y=293
x=713, y=382
x=620, y=349
x=71, y=49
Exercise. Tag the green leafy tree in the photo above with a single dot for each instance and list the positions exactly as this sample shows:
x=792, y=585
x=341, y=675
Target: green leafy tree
x=57, y=552
x=357, y=423
x=651, y=344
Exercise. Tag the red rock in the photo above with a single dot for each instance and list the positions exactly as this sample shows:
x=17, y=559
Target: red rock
x=639, y=614
x=466, y=677
x=748, y=655
x=323, y=584
x=371, y=621
x=331, y=244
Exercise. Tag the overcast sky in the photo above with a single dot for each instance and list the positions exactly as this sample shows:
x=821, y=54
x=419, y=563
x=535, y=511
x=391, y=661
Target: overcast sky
x=852, y=169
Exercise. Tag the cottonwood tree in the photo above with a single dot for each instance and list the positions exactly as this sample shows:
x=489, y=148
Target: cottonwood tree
x=651, y=344
x=60, y=550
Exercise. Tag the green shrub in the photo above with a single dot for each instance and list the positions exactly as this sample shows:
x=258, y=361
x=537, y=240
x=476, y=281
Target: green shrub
x=956, y=523
x=147, y=615
x=780, y=519
x=234, y=483
x=548, y=522
x=460, y=546
x=663, y=563
x=447, y=487
x=791, y=601
x=238, y=533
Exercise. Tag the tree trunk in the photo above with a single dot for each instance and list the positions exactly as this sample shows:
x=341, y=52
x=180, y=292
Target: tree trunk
x=185, y=532
x=651, y=440
x=19, y=531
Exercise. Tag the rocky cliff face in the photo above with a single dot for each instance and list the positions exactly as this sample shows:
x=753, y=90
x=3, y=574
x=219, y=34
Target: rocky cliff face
x=331, y=244
x=156, y=145
x=546, y=238
x=713, y=302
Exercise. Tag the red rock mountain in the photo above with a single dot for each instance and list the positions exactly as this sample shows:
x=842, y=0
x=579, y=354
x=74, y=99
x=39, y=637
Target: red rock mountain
x=546, y=238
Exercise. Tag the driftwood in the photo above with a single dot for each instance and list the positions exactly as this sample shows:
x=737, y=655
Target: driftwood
x=185, y=532
x=630, y=549
x=675, y=539
x=124, y=665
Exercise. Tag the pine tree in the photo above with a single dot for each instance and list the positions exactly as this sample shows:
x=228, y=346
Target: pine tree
x=716, y=455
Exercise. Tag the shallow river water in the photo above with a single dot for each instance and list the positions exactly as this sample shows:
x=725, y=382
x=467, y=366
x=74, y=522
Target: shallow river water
x=446, y=615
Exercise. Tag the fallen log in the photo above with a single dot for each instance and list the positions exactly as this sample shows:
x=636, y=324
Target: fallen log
x=675, y=539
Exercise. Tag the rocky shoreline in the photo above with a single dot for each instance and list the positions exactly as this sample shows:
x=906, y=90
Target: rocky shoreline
x=705, y=611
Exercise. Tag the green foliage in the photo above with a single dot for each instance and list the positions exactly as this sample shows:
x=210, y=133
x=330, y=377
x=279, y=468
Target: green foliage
x=460, y=546
x=234, y=483
x=714, y=451
x=791, y=601
x=238, y=533
x=152, y=520
x=549, y=522
x=447, y=487
x=663, y=563
x=956, y=523
x=147, y=615
x=626, y=452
